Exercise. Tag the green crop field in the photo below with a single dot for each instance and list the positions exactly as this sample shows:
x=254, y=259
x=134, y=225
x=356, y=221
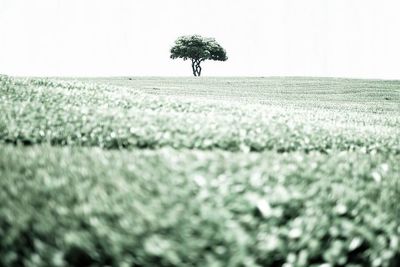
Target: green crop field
x=147, y=171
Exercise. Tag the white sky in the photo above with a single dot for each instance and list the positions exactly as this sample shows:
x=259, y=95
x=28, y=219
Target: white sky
x=346, y=38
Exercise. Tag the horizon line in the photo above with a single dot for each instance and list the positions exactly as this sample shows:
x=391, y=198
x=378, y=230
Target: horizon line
x=201, y=77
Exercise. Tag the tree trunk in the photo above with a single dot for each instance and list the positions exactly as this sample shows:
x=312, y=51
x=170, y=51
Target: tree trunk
x=196, y=68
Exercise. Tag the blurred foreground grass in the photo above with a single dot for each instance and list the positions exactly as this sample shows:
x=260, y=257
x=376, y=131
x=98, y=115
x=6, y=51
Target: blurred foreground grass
x=83, y=207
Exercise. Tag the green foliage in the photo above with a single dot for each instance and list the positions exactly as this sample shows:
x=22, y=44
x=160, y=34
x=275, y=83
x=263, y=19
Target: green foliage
x=197, y=47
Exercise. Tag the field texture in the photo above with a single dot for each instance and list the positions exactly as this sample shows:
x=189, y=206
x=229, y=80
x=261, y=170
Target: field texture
x=199, y=172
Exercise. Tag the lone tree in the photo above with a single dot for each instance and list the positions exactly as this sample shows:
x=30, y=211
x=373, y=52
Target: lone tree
x=197, y=49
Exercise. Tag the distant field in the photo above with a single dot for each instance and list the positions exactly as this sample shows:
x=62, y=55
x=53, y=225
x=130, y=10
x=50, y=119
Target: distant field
x=279, y=114
x=199, y=172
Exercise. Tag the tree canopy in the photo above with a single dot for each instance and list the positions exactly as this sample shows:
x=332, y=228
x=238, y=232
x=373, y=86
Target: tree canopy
x=197, y=49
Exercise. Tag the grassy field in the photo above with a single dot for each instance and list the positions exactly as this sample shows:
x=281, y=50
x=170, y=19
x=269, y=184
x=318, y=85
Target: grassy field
x=199, y=172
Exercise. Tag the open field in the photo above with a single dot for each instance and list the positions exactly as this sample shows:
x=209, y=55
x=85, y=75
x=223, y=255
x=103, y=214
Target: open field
x=199, y=172
x=232, y=118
